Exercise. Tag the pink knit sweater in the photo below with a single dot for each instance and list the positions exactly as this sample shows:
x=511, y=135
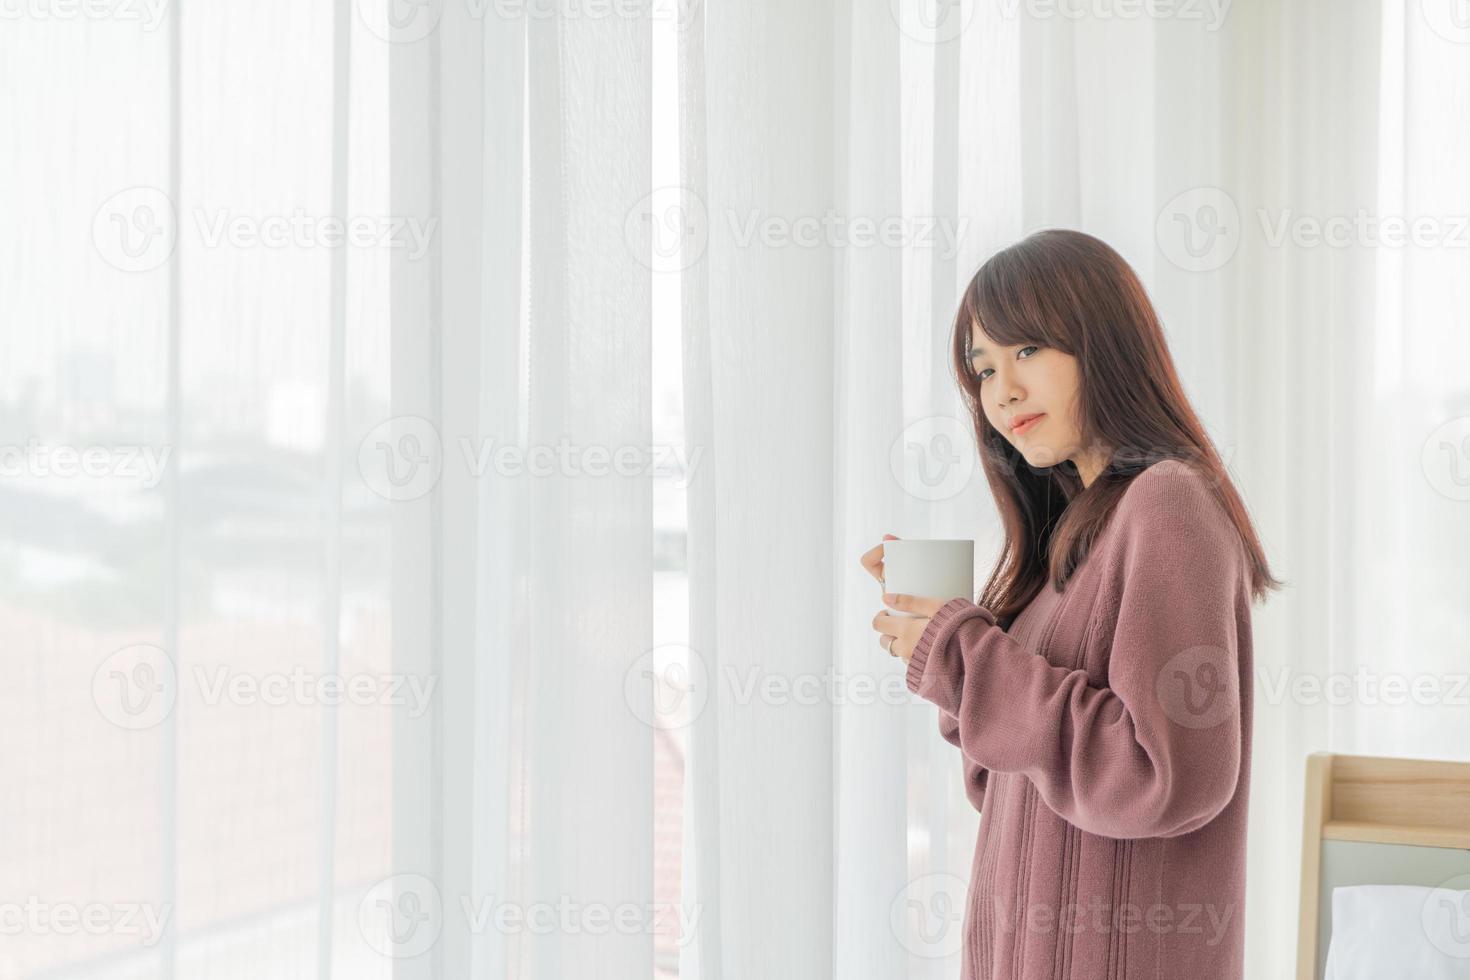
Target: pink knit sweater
x=1106, y=741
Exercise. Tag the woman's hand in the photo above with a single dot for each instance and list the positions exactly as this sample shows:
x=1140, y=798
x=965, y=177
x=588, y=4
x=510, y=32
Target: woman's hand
x=873, y=558
x=904, y=630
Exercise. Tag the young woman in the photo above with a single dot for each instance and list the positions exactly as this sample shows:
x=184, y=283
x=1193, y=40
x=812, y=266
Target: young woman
x=1100, y=692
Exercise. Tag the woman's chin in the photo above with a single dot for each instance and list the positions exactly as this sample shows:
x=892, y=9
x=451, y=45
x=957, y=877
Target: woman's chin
x=1041, y=456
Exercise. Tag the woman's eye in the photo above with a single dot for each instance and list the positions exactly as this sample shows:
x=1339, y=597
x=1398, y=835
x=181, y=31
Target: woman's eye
x=982, y=375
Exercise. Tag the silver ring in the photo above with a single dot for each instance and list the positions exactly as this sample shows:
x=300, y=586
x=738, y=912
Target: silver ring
x=888, y=647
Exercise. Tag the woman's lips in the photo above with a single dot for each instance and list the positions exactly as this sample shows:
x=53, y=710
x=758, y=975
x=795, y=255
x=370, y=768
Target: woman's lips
x=1027, y=424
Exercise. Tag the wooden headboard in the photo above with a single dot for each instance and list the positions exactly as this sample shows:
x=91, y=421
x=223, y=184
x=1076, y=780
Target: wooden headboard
x=1374, y=820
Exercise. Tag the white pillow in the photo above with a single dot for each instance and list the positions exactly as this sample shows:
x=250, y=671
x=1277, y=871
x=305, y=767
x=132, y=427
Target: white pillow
x=1392, y=931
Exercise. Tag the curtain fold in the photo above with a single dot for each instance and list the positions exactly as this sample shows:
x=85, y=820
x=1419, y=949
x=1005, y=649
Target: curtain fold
x=870, y=806
x=763, y=872
x=587, y=753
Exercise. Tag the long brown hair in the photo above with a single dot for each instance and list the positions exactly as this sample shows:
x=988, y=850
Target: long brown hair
x=1073, y=292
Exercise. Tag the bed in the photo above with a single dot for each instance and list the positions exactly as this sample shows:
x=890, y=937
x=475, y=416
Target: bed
x=1383, y=822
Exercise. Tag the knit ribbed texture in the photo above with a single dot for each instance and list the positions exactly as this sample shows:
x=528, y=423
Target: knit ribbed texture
x=1106, y=740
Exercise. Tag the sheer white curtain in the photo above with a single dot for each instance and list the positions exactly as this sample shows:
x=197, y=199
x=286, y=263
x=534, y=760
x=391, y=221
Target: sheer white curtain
x=532, y=137
x=367, y=645
x=192, y=562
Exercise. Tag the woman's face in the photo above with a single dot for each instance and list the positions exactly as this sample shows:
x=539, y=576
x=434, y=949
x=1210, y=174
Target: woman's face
x=1036, y=387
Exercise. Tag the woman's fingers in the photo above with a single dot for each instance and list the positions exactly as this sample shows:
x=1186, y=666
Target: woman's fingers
x=917, y=604
x=900, y=626
x=873, y=558
x=873, y=561
x=906, y=631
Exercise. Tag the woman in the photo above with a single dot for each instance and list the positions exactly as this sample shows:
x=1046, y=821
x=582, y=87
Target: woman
x=1100, y=691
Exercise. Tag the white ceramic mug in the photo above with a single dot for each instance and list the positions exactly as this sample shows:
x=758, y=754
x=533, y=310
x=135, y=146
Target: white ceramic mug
x=940, y=568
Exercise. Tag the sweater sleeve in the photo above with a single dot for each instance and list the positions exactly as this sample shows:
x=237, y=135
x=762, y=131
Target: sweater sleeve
x=1155, y=752
x=974, y=773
